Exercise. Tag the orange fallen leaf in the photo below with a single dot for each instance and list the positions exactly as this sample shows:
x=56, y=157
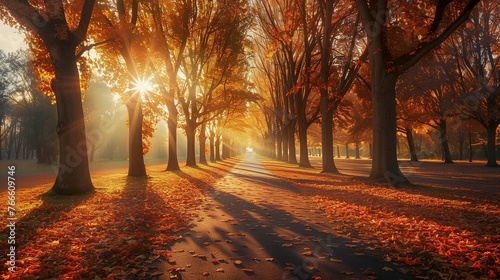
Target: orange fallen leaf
x=247, y=270
x=220, y=269
x=237, y=262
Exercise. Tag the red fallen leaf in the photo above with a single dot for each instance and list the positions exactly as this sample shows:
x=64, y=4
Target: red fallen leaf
x=308, y=253
x=205, y=273
x=287, y=245
x=269, y=259
x=347, y=272
x=110, y=277
x=171, y=261
x=492, y=274
x=215, y=261
x=368, y=272
x=336, y=260
x=411, y=261
x=247, y=270
x=311, y=267
x=206, y=243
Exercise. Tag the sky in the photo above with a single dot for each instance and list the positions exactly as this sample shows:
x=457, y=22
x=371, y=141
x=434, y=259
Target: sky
x=10, y=39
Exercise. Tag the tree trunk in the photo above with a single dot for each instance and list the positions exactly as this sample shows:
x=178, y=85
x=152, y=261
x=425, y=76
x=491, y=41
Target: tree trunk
x=190, y=135
x=338, y=151
x=444, y=142
x=285, y=142
x=173, y=162
x=292, y=154
x=279, y=145
x=411, y=144
x=347, y=150
x=384, y=162
x=73, y=176
x=136, y=167
x=304, y=155
x=470, y=145
x=225, y=148
x=492, y=155
x=461, y=141
x=203, y=148
x=217, y=148
x=211, y=140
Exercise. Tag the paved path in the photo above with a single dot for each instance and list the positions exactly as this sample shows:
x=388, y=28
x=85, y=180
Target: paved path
x=255, y=226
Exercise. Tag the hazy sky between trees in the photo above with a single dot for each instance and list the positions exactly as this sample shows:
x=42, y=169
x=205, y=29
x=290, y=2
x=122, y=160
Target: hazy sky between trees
x=10, y=39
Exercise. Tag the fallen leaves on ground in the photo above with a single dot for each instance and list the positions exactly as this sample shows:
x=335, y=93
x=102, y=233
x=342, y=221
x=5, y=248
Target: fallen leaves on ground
x=440, y=232
x=118, y=231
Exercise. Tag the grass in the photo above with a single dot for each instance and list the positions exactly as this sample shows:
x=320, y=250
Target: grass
x=119, y=230
x=442, y=232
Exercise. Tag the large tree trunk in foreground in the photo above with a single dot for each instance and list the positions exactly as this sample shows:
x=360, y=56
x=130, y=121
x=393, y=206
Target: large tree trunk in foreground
x=492, y=153
x=73, y=176
x=384, y=162
x=136, y=167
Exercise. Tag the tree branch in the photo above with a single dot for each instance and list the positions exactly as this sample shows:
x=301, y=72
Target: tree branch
x=407, y=60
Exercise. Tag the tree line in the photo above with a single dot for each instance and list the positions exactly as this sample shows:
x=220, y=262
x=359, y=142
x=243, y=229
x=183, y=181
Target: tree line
x=205, y=66
x=339, y=64
x=183, y=60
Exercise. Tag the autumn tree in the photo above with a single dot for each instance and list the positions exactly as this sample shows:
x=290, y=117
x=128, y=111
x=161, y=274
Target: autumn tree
x=339, y=47
x=126, y=39
x=429, y=97
x=171, y=30
x=399, y=35
x=213, y=51
x=61, y=36
x=476, y=49
x=277, y=22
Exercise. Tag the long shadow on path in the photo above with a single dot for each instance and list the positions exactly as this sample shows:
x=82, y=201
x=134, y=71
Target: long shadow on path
x=255, y=226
